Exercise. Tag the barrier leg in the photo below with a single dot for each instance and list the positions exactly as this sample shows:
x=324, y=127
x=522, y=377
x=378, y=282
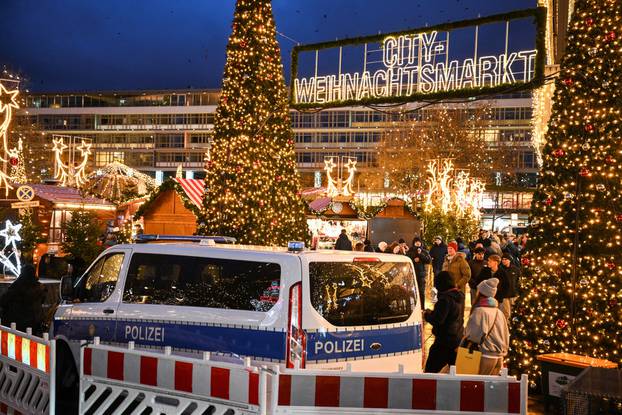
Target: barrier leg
x=52, y=404
x=524, y=399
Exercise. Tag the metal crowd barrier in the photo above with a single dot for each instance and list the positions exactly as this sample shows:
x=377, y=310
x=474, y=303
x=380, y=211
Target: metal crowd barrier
x=125, y=380
x=325, y=392
x=27, y=372
x=115, y=379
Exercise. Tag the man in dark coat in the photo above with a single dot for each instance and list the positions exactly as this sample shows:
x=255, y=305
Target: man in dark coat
x=438, y=252
x=420, y=257
x=343, y=243
x=476, y=264
x=22, y=303
x=447, y=321
x=513, y=273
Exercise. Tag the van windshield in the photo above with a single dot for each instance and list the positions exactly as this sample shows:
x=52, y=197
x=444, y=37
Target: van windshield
x=362, y=293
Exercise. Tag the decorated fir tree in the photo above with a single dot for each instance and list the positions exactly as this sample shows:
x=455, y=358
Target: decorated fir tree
x=16, y=159
x=571, y=299
x=252, y=186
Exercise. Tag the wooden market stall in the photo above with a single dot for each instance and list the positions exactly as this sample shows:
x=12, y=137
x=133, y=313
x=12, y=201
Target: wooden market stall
x=173, y=208
x=52, y=206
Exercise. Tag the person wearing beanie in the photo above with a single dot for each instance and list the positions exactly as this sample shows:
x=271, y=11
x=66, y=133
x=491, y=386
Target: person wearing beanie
x=447, y=320
x=488, y=327
x=420, y=258
x=456, y=264
x=438, y=252
x=382, y=246
x=494, y=270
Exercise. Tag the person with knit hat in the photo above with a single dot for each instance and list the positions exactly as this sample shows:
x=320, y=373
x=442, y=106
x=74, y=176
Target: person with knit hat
x=503, y=293
x=488, y=327
x=382, y=246
x=447, y=320
x=438, y=252
x=456, y=264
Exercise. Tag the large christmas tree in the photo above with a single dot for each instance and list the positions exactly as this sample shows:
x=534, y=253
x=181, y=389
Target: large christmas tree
x=252, y=187
x=571, y=300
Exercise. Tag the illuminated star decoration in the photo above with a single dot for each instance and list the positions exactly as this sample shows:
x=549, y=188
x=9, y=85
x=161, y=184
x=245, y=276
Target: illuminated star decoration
x=348, y=186
x=11, y=235
x=7, y=104
x=331, y=188
x=67, y=174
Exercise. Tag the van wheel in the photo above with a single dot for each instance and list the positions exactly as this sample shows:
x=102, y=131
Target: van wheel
x=66, y=381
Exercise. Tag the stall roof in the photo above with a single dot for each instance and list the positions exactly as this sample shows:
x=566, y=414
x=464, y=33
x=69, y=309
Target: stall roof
x=59, y=194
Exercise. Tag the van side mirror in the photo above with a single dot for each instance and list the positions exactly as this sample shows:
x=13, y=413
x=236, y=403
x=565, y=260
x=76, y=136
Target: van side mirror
x=66, y=288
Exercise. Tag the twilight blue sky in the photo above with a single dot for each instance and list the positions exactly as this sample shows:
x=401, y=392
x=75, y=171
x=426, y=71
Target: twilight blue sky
x=76, y=45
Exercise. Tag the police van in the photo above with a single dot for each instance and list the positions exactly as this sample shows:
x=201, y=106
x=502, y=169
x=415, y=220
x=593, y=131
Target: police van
x=294, y=307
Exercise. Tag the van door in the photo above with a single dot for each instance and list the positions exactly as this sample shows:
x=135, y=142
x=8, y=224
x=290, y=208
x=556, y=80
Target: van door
x=363, y=311
x=94, y=312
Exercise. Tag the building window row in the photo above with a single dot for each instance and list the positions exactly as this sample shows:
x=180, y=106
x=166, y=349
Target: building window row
x=317, y=158
x=338, y=137
x=123, y=100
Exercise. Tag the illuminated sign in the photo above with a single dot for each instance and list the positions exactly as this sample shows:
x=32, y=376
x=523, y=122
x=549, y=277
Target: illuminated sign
x=454, y=60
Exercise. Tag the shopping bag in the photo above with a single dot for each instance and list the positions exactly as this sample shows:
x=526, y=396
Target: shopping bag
x=468, y=360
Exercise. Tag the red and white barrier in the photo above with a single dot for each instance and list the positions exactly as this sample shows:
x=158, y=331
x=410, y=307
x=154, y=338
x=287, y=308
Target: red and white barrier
x=326, y=392
x=27, y=372
x=188, y=379
x=114, y=379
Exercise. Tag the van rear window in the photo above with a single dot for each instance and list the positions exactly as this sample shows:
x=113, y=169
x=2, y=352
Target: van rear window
x=362, y=293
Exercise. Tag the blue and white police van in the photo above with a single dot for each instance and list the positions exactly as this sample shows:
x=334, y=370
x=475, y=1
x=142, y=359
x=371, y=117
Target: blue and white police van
x=297, y=308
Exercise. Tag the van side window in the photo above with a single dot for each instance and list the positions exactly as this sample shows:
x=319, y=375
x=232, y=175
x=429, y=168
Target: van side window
x=202, y=282
x=98, y=284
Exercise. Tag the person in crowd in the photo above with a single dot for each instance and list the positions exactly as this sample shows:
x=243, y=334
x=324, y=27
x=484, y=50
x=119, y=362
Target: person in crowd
x=488, y=328
x=447, y=320
x=522, y=242
x=403, y=244
x=456, y=264
x=420, y=257
x=495, y=245
x=476, y=264
x=462, y=247
x=484, y=238
x=359, y=246
x=391, y=248
x=438, y=252
x=510, y=248
x=343, y=243
x=382, y=246
x=399, y=249
x=22, y=302
x=513, y=273
x=367, y=246
x=493, y=270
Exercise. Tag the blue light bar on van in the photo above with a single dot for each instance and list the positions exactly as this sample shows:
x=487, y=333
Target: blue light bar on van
x=295, y=246
x=145, y=238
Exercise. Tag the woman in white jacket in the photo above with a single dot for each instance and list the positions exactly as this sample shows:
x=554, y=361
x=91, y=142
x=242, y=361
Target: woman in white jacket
x=488, y=327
